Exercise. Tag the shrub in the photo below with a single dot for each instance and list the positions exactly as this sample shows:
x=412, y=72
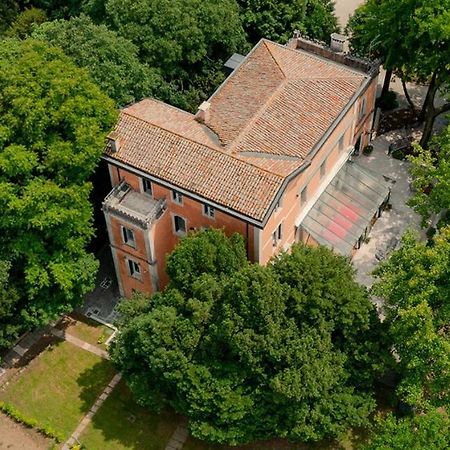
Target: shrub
x=368, y=149
x=387, y=102
x=16, y=415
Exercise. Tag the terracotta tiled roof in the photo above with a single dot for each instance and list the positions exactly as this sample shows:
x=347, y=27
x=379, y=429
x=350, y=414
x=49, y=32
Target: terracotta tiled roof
x=261, y=125
x=300, y=97
x=205, y=171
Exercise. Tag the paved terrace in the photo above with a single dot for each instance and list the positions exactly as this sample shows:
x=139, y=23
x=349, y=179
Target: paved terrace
x=388, y=229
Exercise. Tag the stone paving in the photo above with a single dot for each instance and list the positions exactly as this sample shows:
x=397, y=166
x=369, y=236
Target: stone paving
x=95, y=407
x=79, y=343
x=179, y=436
x=393, y=223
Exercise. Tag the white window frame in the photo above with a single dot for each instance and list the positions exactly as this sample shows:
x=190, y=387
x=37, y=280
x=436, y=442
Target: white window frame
x=304, y=195
x=134, y=269
x=150, y=185
x=177, y=197
x=179, y=232
x=341, y=142
x=323, y=168
x=209, y=211
x=128, y=236
x=277, y=235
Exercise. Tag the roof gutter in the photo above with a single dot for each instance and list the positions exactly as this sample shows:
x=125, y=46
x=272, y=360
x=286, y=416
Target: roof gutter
x=229, y=211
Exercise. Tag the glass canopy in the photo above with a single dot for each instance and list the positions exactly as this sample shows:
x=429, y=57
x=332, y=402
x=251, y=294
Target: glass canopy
x=346, y=207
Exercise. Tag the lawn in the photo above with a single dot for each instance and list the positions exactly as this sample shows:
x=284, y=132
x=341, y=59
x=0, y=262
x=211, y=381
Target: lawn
x=121, y=424
x=86, y=329
x=59, y=386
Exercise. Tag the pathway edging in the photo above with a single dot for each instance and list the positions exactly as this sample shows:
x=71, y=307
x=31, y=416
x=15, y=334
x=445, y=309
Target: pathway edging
x=94, y=408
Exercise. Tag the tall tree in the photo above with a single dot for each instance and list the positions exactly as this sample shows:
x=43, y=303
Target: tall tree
x=233, y=352
x=110, y=59
x=278, y=20
x=413, y=39
x=431, y=179
x=414, y=284
x=53, y=124
x=187, y=40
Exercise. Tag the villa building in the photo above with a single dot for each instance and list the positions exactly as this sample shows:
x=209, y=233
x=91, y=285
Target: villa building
x=267, y=156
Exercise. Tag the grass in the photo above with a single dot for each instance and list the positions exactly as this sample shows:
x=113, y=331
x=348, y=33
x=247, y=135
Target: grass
x=121, y=424
x=88, y=330
x=59, y=386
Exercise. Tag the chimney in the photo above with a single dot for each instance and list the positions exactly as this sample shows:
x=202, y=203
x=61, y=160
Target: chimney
x=114, y=141
x=202, y=115
x=338, y=42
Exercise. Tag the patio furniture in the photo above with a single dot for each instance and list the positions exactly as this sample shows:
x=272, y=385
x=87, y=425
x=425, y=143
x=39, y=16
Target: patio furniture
x=400, y=145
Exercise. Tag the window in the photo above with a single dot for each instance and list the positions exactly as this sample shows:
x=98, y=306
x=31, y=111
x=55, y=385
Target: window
x=323, y=169
x=177, y=197
x=179, y=224
x=134, y=269
x=341, y=142
x=277, y=235
x=128, y=237
x=362, y=109
x=304, y=195
x=147, y=186
x=208, y=211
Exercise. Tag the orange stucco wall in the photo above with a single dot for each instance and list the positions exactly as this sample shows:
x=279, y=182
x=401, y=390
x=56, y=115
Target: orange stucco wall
x=162, y=239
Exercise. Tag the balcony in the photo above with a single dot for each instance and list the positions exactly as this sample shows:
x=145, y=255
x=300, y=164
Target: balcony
x=133, y=206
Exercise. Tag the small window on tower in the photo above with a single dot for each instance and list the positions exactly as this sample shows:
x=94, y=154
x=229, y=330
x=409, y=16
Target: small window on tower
x=128, y=237
x=134, y=269
x=147, y=186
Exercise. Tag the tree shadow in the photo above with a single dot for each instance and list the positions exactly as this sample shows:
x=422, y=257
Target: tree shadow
x=122, y=421
x=93, y=381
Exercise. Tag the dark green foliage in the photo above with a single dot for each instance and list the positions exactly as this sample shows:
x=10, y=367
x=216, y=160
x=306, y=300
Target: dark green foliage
x=53, y=121
x=431, y=179
x=430, y=431
x=207, y=252
x=8, y=12
x=25, y=22
x=412, y=38
x=10, y=326
x=414, y=284
x=325, y=295
x=278, y=20
x=110, y=59
x=187, y=40
x=250, y=352
x=388, y=102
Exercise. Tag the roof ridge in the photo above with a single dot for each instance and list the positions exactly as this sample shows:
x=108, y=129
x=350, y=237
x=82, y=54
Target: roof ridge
x=273, y=57
x=152, y=99
x=257, y=115
x=317, y=57
x=203, y=145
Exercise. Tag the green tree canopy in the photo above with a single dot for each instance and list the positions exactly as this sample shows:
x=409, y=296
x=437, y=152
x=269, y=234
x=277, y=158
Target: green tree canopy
x=110, y=59
x=187, y=40
x=412, y=37
x=278, y=20
x=10, y=321
x=431, y=178
x=414, y=284
x=53, y=121
x=232, y=349
x=429, y=431
x=25, y=22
